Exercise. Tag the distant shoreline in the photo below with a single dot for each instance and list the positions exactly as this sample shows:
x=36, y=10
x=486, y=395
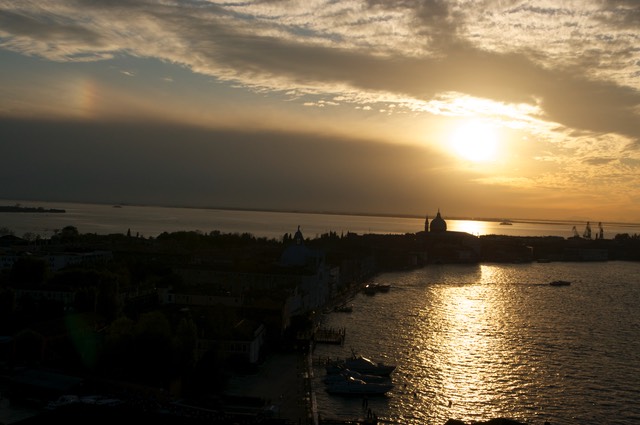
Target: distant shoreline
x=513, y=220
x=19, y=209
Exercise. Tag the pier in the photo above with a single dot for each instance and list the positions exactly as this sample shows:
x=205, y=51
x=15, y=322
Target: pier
x=330, y=336
x=322, y=336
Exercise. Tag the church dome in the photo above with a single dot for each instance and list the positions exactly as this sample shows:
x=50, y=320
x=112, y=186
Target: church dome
x=297, y=254
x=438, y=224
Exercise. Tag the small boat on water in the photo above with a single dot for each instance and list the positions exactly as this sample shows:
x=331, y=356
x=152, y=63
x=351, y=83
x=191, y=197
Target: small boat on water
x=373, y=288
x=365, y=365
x=383, y=287
x=560, y=283
x=353, y=386
x=360, y=364
x=344, y=373
x=369, y=289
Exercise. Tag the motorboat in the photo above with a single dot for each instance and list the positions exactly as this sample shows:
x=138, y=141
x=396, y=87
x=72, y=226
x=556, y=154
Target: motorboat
x=344, y=373
x=365, y=365
x=560, y=283
x=370, y=289
x=373, y=288
x=353, y=386
x=383, y=287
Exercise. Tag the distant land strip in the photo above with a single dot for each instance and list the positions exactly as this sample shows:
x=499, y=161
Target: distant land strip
x=20, y=209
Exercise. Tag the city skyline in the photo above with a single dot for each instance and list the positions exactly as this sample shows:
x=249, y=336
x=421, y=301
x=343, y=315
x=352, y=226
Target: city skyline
x=520, y=109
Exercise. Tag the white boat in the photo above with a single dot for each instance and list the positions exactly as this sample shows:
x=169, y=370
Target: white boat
x=367, y=366
x=353, y=386
x=347, y=373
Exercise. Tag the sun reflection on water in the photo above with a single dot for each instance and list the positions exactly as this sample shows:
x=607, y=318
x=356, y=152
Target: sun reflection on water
x=463, y=345
x=469, y=226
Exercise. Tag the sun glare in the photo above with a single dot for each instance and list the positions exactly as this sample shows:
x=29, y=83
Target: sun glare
x=475, y=141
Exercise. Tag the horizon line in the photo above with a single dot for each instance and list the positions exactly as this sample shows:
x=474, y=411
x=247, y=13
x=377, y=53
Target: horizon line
x=346, y=213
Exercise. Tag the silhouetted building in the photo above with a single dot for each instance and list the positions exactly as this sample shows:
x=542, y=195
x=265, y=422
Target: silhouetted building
x=295, y=286
x=438, y=225
x=443, y=246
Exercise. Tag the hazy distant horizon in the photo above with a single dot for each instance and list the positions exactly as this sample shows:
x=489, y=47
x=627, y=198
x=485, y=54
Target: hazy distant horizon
x=431, y=216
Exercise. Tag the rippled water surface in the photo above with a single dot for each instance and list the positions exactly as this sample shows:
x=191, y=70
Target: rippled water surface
x=484, y=341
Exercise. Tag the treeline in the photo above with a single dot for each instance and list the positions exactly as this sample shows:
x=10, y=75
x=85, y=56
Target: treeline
x=20, y=208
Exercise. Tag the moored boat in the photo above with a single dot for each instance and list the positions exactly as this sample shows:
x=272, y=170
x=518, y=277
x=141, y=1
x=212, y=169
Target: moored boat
x=365, y=365
x=342, y=373
x=359, y=364
x=370, y=289
x=373, y=288
x=383, y=287
x=353, y=386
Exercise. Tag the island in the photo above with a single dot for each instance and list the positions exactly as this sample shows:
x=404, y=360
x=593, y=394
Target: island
x=18, y=208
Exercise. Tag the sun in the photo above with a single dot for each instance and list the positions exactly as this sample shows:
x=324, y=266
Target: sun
x=475, y=141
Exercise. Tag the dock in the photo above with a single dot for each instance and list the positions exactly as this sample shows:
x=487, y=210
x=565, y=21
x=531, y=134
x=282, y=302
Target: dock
x=329, y=336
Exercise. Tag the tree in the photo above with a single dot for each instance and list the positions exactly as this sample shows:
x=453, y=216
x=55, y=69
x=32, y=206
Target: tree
x=29, y=270
x=7, y=308
x=185, y=339
x=154, y=354
x=115, y=355
x=5, y=231
x=107, y=300
x=28, y=347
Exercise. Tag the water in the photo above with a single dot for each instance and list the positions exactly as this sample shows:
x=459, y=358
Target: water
x=151, y=221
x=498, y=341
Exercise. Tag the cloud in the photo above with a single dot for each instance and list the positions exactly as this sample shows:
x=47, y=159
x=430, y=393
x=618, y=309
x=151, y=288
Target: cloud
x=410, y=50
x=162, y=164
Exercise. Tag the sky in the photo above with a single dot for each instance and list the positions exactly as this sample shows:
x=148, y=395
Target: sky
x=483, y=108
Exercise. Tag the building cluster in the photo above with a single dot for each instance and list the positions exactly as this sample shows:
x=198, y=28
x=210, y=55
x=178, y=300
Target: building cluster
x=268, y=303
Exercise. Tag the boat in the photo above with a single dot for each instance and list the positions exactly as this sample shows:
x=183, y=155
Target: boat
x=506, y=223
x=383, y=287
x=373, y=288
x=353, y=386
x=370, y=289
x=367, y=366
x=344, y=373
x=560, y=283
x=358, y=364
